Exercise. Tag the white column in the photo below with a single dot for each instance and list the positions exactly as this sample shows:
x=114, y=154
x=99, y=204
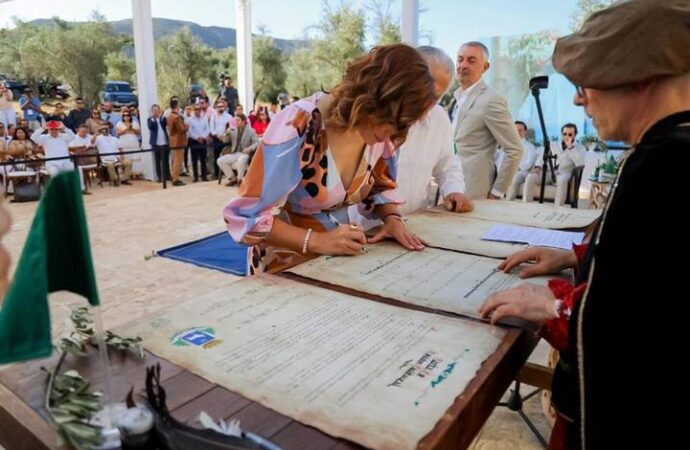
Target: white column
x=245, y=75
x=146, y=74
x=410, y=22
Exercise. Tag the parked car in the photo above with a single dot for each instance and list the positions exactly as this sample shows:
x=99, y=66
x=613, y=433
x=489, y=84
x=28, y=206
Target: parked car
x=17, y=87
x=45, y=89
x=119, y=93
x=52, y=90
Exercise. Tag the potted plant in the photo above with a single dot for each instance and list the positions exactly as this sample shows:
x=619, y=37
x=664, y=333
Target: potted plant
x=590, y=141
x=606, y=171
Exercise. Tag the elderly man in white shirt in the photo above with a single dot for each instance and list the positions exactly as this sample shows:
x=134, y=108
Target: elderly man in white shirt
x=55, y=144
x=80, y=145
x=569, y=155
x=428, y=152
x=106, y=143
x=529, y=158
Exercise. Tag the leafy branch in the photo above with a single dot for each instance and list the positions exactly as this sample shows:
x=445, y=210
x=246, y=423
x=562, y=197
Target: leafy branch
x=68, y=397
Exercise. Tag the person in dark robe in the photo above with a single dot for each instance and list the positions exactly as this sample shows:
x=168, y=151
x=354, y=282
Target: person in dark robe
x=618, y=327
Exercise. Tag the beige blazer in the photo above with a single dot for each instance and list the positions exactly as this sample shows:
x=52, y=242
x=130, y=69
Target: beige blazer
x=482, y=123
x=249, y=141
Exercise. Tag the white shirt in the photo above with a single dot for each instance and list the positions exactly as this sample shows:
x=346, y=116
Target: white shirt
x=529, y=156
x=79, y=141
x=427, y=152
x=108, y=144
x=160, y=136
x=219, y=123
x=54, y=147
x=566, y=160
x=198, y=127
x=460, y=96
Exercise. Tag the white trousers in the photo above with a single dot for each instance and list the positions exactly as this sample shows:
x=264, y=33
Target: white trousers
x=237, y=161
x=517, y=184
x=533, y=180
x=8, y=117
x=55, y=167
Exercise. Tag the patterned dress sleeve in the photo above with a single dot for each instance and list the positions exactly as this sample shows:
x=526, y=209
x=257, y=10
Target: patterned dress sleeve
x=273, y=174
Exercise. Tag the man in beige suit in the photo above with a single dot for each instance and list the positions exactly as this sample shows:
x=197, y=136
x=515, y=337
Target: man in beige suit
x=482, y=122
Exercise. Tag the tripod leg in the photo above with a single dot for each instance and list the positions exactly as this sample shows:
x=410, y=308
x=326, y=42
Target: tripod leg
x=531, y=426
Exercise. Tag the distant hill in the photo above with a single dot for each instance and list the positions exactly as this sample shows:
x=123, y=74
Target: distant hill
x=214, y=37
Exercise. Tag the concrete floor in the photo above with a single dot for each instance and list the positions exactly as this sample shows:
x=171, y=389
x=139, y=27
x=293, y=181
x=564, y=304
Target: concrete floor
x=128, y=223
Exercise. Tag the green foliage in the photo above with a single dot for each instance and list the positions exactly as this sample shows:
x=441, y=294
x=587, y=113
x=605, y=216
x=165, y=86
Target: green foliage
x=181, y=60
x=69, y=398
x=74, y=54
x=339, y=39
x=82, y=55
x=269, y=71
x=71, y=405
x=385, y=26
x=120, y=67
x=586, y=8
x=303, y=75
x=223, y=61
x=529, y=52
x=25, y=52
x=84, y=334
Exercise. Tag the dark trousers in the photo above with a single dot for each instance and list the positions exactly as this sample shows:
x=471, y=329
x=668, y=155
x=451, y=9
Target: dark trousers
x=162, y=156
x=198, y=156
x=217, y=148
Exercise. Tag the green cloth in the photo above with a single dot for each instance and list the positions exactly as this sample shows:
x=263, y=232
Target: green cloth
x=56, y=256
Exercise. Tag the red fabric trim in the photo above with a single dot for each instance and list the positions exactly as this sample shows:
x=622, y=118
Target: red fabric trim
x=580, y=251
x=555, y=331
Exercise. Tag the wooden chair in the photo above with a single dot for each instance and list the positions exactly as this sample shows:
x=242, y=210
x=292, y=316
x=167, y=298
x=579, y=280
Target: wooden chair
x=573, y=194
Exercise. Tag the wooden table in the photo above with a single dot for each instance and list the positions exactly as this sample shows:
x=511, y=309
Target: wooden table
x=24, y=420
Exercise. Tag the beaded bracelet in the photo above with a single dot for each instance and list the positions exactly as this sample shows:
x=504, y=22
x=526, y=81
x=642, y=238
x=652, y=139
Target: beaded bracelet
x=305, y=243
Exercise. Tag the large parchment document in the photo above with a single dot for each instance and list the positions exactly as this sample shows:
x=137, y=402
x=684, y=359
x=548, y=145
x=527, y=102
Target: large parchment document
x=437, y=279
x=453, y=231
x=532, y=214
x=372, y=373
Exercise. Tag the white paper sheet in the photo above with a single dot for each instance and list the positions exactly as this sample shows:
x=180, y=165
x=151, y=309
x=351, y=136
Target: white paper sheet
x=534, y=236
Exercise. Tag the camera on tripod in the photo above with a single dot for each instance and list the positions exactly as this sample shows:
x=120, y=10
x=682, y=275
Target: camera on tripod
x=535, y=85
x=221, y=79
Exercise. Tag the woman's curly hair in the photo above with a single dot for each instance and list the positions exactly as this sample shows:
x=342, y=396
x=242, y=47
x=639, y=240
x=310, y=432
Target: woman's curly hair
x=390, y=85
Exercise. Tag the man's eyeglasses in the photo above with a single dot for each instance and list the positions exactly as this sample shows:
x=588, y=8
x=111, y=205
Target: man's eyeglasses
x=580, y=91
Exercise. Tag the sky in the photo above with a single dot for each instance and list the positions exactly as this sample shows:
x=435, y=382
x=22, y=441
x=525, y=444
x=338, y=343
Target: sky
x=447, y=23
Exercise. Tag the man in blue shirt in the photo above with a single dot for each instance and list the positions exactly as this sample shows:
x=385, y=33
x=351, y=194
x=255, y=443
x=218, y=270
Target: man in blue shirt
x=31, y=106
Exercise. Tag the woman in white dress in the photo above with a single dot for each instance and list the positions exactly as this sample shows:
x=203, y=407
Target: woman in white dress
x=128, y=132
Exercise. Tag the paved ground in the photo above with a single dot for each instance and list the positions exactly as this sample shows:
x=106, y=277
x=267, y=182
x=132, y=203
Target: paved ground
x=128, y=223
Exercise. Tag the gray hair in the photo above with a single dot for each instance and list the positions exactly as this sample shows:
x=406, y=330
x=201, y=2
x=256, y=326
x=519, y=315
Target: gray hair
x=479, y=45
x=436, y=56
